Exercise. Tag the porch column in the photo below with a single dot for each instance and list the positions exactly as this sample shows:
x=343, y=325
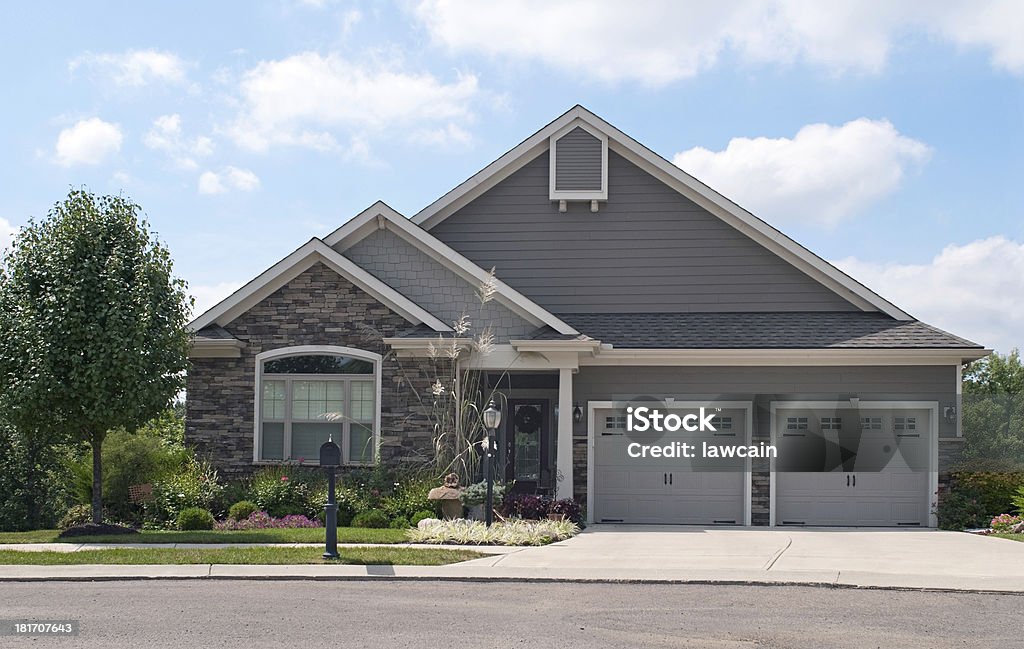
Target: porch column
x=563, y=462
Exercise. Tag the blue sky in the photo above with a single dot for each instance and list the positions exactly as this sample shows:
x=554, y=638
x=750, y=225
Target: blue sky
x=885, y=139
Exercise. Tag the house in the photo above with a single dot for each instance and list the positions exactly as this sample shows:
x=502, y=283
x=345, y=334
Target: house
x=621, y=281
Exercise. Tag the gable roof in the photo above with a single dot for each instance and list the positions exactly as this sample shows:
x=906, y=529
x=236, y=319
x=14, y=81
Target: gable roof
x=291, y=266
x=718, y=205
x=381, y=216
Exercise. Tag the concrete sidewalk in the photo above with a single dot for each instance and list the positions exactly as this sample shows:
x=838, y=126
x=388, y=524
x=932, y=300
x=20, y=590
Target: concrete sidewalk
x=904, y=559
x=78, y=547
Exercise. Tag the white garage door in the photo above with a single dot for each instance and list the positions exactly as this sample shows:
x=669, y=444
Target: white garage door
x=668, y=490
x=852, y=467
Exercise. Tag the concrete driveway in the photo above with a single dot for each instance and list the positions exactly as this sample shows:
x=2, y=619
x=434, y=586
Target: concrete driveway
x=865, y=557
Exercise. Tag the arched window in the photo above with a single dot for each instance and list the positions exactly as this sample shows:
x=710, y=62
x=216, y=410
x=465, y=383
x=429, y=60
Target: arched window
x=306, y=394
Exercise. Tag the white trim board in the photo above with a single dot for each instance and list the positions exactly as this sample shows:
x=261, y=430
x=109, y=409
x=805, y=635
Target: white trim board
x=748, y=406
x=292, y=266
x=933, y=442
x=758, y=230
x=380, y=216
x=777, y=357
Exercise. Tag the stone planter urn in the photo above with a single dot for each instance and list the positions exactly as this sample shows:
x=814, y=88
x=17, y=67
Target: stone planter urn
x=450, y=496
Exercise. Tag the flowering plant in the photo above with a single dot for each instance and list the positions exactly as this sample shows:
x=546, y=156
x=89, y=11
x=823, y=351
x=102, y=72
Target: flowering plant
x=1005, y=522
x=264, y=521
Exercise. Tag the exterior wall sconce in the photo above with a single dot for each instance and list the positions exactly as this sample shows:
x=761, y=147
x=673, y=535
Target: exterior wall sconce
x=577, y=413
x=949, y=414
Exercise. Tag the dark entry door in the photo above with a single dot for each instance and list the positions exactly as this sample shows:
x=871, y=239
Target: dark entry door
x=526, y=443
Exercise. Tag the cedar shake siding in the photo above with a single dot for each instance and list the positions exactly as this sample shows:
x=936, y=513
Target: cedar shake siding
x=316, y=308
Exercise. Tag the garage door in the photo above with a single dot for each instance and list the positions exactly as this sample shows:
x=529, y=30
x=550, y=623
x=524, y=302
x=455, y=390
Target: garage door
x=668, y=490
x=852, y=467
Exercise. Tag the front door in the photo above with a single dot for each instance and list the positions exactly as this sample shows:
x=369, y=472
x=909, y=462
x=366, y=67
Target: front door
x=526, y=441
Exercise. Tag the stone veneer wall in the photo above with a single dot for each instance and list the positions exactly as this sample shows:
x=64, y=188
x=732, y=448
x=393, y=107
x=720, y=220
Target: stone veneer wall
x=318, y=307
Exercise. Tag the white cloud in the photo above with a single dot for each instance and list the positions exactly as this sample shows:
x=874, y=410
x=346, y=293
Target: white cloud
x=660, y=41
x=312, y=100
x=208, y=295
x=975, y=290
x=450, y=134
x=228, y=178
x=89, y=141
x=133, y=67
x=7, y=232
x=822, y=175
x=166, y=135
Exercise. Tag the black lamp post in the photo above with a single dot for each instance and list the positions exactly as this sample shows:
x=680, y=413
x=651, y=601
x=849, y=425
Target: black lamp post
x=330, y=460
x=492, y=419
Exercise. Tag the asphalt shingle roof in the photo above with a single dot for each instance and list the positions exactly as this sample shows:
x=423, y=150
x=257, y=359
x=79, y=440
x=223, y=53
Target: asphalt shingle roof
x=839, y=330
x=214, y=332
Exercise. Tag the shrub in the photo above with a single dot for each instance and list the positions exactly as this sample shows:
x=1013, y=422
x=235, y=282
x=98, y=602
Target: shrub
x=1005, y=523
x=35, y=482
x=78, y=515
x=194, y=485
x=146, y=456
x=994, y=483
x=510, y=532
x=419, y=516
x=279, y=491
x=400, y=523
x=408, y=496
x=526, y=506
x=241, y=510
x=263, y=521
x=960, y=510
x=568, y=508
x=195, y=518
x=374, y=518
x=1018, y=501
x=476, y=493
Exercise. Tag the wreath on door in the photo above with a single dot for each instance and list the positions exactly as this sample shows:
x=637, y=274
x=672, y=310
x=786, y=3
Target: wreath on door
x=527, y=419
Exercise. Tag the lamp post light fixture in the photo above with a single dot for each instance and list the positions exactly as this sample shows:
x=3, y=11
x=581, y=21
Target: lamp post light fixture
x=492, y=419
x=330, y=460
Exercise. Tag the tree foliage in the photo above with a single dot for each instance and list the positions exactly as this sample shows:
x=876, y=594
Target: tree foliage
x=993, y=409
x=93, y=323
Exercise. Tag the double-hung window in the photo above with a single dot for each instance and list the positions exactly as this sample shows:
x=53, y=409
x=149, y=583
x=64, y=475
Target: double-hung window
x=306, y=398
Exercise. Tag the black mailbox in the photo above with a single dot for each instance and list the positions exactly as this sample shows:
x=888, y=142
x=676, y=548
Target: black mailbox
x=330, y=454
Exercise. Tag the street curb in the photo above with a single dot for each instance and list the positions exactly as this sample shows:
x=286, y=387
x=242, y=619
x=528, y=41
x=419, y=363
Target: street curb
x=508, y=579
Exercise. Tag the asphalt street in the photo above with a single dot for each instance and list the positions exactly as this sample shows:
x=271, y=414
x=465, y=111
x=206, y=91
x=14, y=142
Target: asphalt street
x=399, y=614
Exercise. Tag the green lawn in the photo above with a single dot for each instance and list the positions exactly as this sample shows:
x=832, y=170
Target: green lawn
x=254, y=556
x=302, y=535
x=1007, y=535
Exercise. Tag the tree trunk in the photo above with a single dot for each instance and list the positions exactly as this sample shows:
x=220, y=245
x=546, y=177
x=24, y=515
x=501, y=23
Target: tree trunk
x=97, y=478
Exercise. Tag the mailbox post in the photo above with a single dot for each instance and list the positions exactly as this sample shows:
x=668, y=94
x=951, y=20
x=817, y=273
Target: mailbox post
x=330, y=460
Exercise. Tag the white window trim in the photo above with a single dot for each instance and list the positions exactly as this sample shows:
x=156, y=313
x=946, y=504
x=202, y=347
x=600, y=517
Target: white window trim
x=578, y=195
x=300, y=350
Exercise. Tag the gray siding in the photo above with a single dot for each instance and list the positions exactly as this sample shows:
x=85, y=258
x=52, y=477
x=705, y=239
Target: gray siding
x=578, y=162
x=415, y=275
x=648, y=249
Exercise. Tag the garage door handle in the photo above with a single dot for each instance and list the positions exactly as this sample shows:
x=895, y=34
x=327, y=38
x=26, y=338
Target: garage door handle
x=847, y=481
x=664, y=478
x=854, y=481
x=670, y=478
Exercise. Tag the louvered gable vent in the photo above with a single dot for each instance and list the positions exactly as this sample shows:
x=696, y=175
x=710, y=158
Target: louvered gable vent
x=579, y=165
